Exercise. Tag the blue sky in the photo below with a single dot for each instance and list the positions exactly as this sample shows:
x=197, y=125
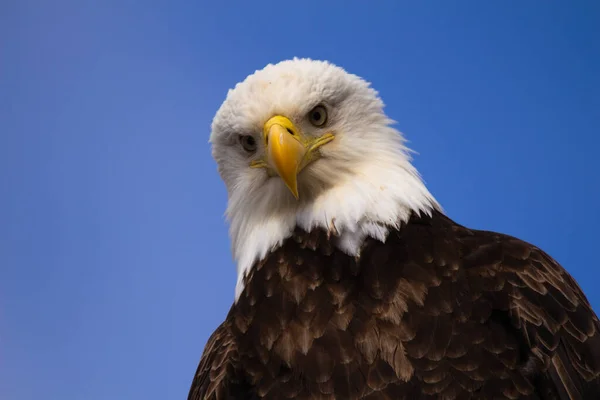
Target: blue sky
x=114, y=257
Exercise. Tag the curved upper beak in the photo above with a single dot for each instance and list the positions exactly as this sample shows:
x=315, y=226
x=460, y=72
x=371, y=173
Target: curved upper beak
x=288, y=151
x=285, y=151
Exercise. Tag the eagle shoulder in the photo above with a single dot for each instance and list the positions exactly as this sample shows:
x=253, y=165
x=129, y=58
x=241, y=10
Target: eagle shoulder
x=540, y=303
x=215, y=377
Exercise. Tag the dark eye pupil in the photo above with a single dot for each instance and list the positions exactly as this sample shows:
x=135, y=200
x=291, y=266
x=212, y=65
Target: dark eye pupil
x=317, y=116
x=248, y=142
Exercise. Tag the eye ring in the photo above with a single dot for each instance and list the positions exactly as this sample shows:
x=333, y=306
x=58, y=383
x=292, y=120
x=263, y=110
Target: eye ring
x=318, y=116
x=248, y=143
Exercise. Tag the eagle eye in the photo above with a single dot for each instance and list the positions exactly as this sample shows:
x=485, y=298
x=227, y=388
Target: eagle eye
x=248, y=143
x=318, y=116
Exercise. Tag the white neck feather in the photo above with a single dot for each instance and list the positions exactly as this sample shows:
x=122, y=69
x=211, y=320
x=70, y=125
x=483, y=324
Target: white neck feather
x=379, y=194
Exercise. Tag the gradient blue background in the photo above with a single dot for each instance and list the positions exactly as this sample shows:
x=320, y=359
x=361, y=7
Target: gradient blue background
x=114, y=257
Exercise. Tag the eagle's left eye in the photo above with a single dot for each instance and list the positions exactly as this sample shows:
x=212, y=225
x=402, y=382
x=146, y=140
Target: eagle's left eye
x=318, y=116
x=248, y=143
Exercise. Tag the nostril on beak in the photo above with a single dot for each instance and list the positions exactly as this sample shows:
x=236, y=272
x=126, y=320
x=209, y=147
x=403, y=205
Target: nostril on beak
x=290, y=131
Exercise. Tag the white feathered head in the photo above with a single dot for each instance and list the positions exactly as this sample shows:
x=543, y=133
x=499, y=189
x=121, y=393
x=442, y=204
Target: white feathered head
x=304, y=143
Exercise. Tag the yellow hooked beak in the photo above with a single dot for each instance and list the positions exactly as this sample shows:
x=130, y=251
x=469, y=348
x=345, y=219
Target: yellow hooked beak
x=288, y=151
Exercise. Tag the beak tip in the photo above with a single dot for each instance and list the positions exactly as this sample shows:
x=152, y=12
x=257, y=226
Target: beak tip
x=294, y=189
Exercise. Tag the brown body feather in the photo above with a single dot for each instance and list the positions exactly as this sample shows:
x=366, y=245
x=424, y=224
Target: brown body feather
x=439, y=311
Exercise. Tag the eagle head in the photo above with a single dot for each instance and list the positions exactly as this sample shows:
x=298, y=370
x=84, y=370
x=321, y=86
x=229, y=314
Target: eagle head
x=303, y=143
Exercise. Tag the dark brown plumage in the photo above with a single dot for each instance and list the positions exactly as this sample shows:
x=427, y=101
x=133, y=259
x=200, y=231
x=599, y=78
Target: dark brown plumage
x=439, y=311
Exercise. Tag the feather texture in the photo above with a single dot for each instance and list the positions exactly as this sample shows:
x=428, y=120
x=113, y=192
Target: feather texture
x=438, y=311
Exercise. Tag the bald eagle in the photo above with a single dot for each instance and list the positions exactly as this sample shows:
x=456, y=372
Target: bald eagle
x=352, y=281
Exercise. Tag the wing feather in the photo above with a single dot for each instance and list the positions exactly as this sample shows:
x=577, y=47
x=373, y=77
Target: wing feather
x=215, y=376
x=548, y=310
